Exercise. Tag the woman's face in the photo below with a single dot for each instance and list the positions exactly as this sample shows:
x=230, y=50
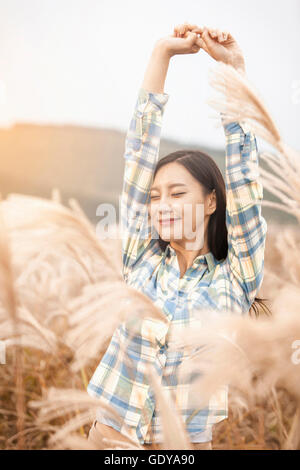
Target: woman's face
x=178, y=209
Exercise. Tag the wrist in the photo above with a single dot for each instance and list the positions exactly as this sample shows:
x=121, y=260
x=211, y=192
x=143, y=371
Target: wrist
x=162, y=50
x=241, y=70
x=239, y=65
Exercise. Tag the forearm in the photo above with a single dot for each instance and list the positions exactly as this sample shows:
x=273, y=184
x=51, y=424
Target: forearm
x=156, y=71
x=229, y=89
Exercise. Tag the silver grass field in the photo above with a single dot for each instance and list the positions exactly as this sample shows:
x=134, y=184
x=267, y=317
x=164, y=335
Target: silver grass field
x=62, y=295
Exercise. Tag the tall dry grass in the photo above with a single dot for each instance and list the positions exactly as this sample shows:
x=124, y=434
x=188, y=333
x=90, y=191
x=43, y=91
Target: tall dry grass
x=71, y=297
x=62, y=295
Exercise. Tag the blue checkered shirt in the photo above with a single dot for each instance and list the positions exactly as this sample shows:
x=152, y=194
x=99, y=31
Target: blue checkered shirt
x=229, y=285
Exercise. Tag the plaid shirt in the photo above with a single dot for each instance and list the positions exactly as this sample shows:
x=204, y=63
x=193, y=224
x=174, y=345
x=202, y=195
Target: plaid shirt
x=230, y=284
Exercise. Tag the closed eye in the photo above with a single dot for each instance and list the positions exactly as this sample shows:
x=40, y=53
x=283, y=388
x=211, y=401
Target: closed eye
x=176, y=194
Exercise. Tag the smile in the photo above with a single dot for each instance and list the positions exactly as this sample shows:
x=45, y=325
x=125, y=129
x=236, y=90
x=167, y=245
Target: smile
x=165, y=222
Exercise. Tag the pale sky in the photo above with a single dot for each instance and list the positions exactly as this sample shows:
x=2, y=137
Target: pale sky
x=82, y=62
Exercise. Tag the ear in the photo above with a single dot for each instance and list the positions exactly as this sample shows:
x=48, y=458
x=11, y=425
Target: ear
x=212, y=203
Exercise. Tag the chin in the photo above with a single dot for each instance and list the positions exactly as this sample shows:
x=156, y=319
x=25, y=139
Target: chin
x=168, y=237
x=164, y=236
x=169, y=233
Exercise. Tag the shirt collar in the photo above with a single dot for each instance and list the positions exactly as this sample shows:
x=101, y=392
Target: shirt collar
x=207, y=257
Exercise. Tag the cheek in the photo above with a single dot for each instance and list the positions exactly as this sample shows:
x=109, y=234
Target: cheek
x=198, y=214
x=193, y=215
x=192, y=207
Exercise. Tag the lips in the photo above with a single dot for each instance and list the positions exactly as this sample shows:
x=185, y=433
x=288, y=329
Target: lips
x=168, y=221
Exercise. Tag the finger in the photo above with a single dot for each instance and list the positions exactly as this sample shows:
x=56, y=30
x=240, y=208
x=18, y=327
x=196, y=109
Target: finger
x=225, y=34
x=229, y=36
x=181, y=31
x=192, y=41
x=202, y=44
x=216, y=34
x=190, y=27
x=198, y=30
x=178, y=29
x=219, y=35
x=183, y=28
x=191, y=37
x=207, y=37
x=212, y=32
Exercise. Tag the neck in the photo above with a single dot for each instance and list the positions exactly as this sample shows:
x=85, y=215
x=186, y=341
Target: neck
x=186, y=257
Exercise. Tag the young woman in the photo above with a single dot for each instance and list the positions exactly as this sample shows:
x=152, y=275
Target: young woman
x=212, y=261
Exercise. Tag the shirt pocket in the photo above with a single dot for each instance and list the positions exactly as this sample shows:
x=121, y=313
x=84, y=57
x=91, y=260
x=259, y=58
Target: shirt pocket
x=142, y=336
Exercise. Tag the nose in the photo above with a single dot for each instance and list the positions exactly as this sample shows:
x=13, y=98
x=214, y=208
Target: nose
x=164, y=208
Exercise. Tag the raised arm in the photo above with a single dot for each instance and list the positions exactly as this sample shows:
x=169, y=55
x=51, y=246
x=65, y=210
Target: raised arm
x=142, y=148
x=141, y=156
x=244, y=193
x=246, y=227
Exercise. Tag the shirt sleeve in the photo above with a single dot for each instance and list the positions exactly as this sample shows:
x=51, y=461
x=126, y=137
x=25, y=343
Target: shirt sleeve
x=246, y=226
x=141, y=156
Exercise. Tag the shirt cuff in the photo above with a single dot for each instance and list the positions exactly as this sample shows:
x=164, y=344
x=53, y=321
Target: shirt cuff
x=234, y=127
x=148, y=102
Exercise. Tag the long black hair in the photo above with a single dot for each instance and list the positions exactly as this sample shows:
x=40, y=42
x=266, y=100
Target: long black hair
x=204, y=169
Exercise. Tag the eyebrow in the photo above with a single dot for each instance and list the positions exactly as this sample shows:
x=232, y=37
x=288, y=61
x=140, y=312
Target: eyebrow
x=170, y=185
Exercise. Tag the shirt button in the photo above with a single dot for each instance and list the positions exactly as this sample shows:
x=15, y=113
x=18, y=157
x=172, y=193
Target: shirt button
x=163, y=348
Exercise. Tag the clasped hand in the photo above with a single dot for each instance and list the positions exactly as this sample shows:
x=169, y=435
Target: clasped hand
x=189, y=39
